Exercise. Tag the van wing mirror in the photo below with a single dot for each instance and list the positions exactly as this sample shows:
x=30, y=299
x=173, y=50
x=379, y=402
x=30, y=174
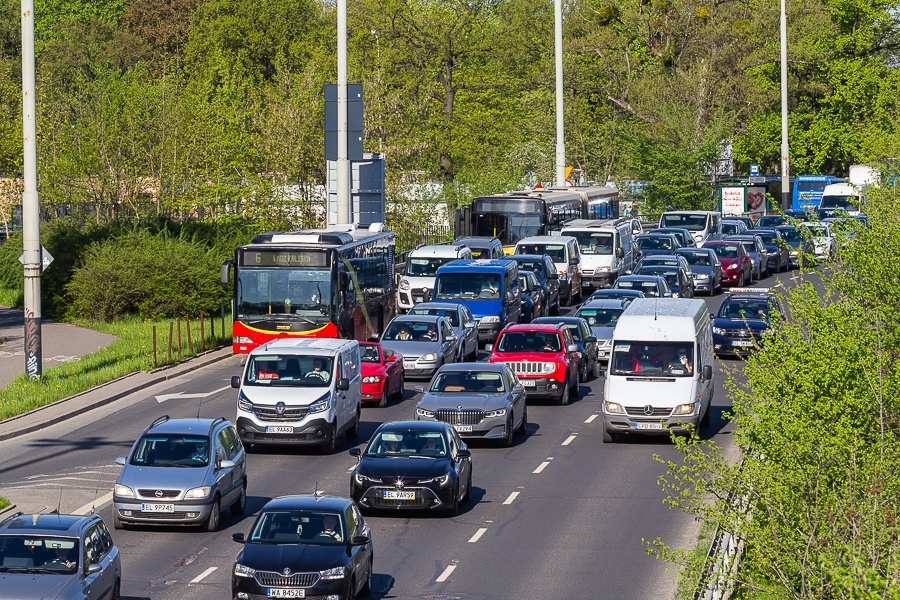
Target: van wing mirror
x=707, y=372
x=620, y=252
x=236, y=382
x=343, y=384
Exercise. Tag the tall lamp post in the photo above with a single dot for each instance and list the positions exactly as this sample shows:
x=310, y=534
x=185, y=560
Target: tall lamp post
x=785, y=170
x=560, y=131
x=343, y=162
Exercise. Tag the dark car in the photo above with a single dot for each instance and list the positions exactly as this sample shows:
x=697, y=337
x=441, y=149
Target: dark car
x=704, y=267
x=742, y=218
x=305, y=547
x=413, y=465
x=602, y=315
x=683, y=236
x=657, y=243
x=653, y=286
x=613, y=293
x=736, y=265
x=584, y=338
x=776, y=249
x=680, y=282
x=743, y=317
x=534, y=298
x=482, y=246
x=756, y=250
x=770, y=221
x=545, y=271
x=733, y=227
x=801, y=249
x=58, y=556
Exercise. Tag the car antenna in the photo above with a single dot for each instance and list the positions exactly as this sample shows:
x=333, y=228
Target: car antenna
x=199, y=406
x=58, y=502
x=97, y=491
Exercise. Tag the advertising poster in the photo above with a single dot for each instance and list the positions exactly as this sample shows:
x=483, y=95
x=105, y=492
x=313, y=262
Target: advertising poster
x=733, y=200
x=756, y=200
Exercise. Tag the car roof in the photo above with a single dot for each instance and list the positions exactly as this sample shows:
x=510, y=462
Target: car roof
x=528, y=257
x=414, y=425
x=417, y=318
x=543, y=320
x=639, y=278
x=477, y=366
x=689, y=250
x=606, y=303
x=45, y=524
x=308, y=502
x=186, y=425
x=479, y=241
x=545, y=239
x=529, y=327
x=438, y=305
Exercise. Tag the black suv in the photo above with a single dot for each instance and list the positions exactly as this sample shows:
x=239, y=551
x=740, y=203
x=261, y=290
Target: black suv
x=546, y=274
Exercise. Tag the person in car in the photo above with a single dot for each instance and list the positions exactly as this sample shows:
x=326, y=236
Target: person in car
x=329, y=528
x=431, y=447
x=430, y=335
x=680, y=361
x=318, y=370
x=61, y=558
x=392, y=447
x=404, y=334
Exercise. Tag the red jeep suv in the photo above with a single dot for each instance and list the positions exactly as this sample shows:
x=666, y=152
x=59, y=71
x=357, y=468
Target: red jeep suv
x=543, y=357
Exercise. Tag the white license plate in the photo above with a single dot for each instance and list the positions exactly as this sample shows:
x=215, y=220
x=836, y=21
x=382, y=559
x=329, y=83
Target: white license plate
x=742, y=343
x=398, y=495
x=528, y=382
x=285, y=593
x=409, y=365
x=279, y=429
x=648, y=425
x=463, y=428
x=158, y=508
x=417, y=299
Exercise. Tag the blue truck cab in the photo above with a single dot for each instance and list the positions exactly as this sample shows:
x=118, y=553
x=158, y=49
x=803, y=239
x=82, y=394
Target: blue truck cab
x=489, y=288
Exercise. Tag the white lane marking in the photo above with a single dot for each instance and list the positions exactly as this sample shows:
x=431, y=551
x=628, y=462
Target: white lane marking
x=570, y=439
x=446, y=574
x=86, y=509
x=182, y=395
x=203, y=575
x=591, y=418
x=477, y=535
x=511, y=498
x=542, y=466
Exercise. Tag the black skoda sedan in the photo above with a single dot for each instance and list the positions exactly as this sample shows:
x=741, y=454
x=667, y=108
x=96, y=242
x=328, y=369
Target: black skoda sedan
x=420, y=465
x=305, y=547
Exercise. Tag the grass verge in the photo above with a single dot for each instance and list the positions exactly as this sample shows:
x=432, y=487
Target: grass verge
x=687, y=580
x=3, y=502
x=133, y=351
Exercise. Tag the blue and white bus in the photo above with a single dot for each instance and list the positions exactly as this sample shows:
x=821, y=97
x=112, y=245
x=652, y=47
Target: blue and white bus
x=806, y=190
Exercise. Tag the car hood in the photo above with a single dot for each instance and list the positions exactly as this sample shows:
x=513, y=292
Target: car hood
x=402, y=467
x=485, y=402
x=701, y=270
x=24, y=586
x=411, y=350
x=291, y=396
x=751, y=324
x=659, y=390
x=170, y=478
x=299, y=558
x=370, y=368
x=727, y=262
x=502, y=357
x=417, y=282
x=602, y=333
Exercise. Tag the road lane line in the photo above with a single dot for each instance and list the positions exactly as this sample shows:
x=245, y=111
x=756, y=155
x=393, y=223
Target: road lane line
x=591, y=418
x=477, y=535
x=97, y=503
x=570, y=439
x=203, y=575
x=542, y=466
x=511, y=498
x=446, y=574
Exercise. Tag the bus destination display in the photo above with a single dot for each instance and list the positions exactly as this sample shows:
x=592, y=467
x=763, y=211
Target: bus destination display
x=285, y=258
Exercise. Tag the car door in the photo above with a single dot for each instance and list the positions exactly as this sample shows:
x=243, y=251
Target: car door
x=97, y=585
x=357, y=554
x=470, y=331
x=590, y=348
x=463, y=465
x=448, y=346
x=224, y=475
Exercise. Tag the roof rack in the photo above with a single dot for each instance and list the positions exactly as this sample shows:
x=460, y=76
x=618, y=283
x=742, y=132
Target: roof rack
x=591, y=223
x=158, y=421
x=12, y=516
x=215, y=421
x=743, y=290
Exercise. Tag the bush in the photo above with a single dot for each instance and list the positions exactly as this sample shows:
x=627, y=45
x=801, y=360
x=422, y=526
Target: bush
x=152, y=276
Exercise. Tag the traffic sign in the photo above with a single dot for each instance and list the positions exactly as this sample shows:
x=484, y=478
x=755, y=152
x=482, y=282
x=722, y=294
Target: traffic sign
x=46, y=259
x=756, y=179
x=754, y=170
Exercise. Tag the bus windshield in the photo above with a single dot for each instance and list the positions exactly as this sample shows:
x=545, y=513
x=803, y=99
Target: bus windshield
x=303, y=294
x=691, y=222
x=593, y=242
x=508, y=227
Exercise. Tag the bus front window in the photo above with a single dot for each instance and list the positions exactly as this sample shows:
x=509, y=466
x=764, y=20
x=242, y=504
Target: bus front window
x=300, y=293
x=508, y=227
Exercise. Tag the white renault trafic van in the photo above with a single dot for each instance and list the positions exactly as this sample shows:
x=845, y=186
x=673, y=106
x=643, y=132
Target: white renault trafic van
x=300, y=391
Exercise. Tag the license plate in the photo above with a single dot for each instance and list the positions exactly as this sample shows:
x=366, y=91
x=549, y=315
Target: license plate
x=408, y=365
x=463, y=428
x=279, y=429
x=285, y=593
x=417, y=299
x=742, y=343
x=528, y=382
x=158, y=508
x=648, y=425
x=398, y=495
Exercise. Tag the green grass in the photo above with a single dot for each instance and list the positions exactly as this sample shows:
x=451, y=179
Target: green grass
x=133, y=351
x=687, y=580
x=3, y=502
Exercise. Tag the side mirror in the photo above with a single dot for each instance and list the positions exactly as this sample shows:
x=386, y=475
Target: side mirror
x=360, y=540
x=489, y=347
x=236, y=382
x=628, y=272
x=419, y=389
x=225, y=464
x=343, y=384
x=510, y=297
x=572, y=348
x=94, y=568
x=451, y=338
x=590, y=339
x=390, y=357
x=463, y=453
x=374, y=337
x=120, y=461
x=355, y=452
x=237, y=537
x=620, y=253
x=518, y=389
x=707, y=372
x=469, y=325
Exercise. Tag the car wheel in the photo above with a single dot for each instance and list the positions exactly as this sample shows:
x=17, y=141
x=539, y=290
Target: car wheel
x=117, y=522
x=597, y=369
x=366, y=590
x=468, y=495
x=212, y=523
x=607, y=435
x=330, y=446
x=554, y=310
x=523, y=426
x=117, y=590
x=704, y=421
x=240, y=505
x=508, y=439
x=576, y=389
x=353, y=432
x=564, y=399
x=384, y=396
x=453, y=511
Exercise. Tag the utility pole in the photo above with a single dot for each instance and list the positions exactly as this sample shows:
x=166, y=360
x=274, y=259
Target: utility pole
x=31, y=224
x=785, y=170
x=560, y=130
x=343, y=162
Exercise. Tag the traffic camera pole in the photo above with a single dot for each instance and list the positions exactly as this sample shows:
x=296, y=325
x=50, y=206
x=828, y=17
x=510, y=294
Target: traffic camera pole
x=31, y=240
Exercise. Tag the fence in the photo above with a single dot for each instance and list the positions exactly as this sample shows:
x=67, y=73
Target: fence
x=189, y=337
x=427, y=233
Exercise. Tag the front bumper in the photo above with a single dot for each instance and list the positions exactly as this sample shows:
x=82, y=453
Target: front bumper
x=250, y=588
x=597, y=280
x=426, y=497
x=487, y=332
x=603, y=354
x=542, y=388
x=734, y=345
x=416, y=369
x=314, y=432
x=493, y=428
x=187, y=512
x=633, y=425
x=732, y=276
x=371, y=392
x=703, y=285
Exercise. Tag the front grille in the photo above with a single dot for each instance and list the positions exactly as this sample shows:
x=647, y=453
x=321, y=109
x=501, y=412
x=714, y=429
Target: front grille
x=459, y=417
x=144, y=493
x=526, y=368
x=272, y=579
x=375, y=498
x=280, y=437
x=155, y=516
x=638, y=411
x=265, y=413
x=741, y=333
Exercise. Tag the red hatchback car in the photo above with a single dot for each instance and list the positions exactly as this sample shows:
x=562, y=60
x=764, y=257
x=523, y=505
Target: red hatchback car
x=737, y=269
x=382, y=372
x=543, y=357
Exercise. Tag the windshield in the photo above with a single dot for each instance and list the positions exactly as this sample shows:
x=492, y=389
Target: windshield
x=848, y=203
x=452, y=286
x=557, y=252
x=769, y=239
x=817, y=230
x=654, y=243
x=424, y=267
x=298, y=527
x=449, y=314
x=697, y=259
x=473, y=382
x=726, y=251
x=510, y=228
x=23, y=553
x=171, y=450
x=407, y=443
x=303, y=294
x=691, y=222
x=732, y=228
x=593, y=242
x=650, y=288
x=749, y=246
x=402, y=330
x=751, y=310
x=601, y=317
x=653, y=358
x=289, y=370
x=791, y=235
x=669, y=273
x=535, y=266
x=529, y=341
x=369, y=353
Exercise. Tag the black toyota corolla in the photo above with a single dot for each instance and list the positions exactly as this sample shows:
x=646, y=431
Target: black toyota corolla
x=413, y=465
x=305, y=547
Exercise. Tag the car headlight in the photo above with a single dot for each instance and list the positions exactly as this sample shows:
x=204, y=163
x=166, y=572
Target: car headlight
x=335, y=573
x=684, y=409
x=442, y=480
x=421, y=412
x=613, y=407
x=701, y=276
x=372, y=379
x=501, y=412
x=362, y=479
x=794, y=253
x=321, y=405
x=718, y=331
x=244, y=403
x=430, y=357
x=490, y=319
x=548, y=367
x=198, y=492
x=752, y=261
x=124, y=491
x=605, y=269
x=404, y=285
x=243, y=570
x=732, y=266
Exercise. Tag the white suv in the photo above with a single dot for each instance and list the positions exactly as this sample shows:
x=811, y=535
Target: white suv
x=421, y=267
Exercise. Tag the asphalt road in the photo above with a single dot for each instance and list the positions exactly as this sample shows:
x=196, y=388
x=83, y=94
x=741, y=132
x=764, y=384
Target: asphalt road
x=557, y=515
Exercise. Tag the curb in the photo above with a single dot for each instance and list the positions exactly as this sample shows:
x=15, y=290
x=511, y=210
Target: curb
x=9, y=508
x=160, y=374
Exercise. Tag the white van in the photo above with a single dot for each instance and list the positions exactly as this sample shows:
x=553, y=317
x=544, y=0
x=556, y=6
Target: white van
x=566, y=255
x=660, y=375
x=703, y=224
x=417, y=282
x=607, y=250
x=843, y=197
x=300, y=392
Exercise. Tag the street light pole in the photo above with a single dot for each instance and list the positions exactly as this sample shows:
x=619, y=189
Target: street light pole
x=785, y=170
x=343, y=162
x=560, y=130
x=31, y=225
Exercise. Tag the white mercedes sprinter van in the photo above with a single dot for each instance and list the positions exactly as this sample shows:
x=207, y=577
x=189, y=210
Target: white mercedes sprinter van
x=660, y=376
x=300, y=392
